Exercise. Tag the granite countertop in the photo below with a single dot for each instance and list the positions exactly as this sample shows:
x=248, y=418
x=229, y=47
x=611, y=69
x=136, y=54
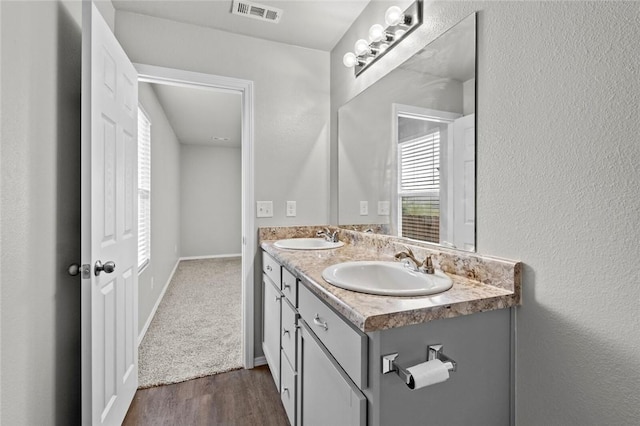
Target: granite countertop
x=470, y=292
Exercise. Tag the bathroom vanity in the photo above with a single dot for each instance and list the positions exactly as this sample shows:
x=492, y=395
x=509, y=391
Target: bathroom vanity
x=325, y=345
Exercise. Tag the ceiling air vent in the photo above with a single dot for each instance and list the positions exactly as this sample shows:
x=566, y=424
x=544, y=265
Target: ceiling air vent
x=256, y=11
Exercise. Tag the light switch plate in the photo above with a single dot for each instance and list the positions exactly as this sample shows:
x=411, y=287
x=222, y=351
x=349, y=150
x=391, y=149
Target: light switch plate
x=383, y=208
x=364, y=208
x=291, y=208
x=264, y=208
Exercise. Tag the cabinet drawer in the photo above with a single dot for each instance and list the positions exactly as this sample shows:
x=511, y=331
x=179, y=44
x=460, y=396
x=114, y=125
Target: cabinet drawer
x=290, y=287
x=348, y=346
x=288, y=391
x=288, y=335
x=272, y=269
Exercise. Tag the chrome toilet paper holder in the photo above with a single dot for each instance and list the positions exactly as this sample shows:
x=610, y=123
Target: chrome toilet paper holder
x=390, y=365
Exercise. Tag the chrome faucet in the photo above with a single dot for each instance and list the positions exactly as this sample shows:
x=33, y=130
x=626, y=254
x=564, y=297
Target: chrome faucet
x=328, y=235
x=425, y=266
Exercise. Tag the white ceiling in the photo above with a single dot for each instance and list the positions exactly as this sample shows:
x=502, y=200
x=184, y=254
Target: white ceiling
x=316, y=24
x=197, y=116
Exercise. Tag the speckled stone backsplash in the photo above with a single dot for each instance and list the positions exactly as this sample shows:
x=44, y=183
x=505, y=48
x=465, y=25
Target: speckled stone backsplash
x=501, y=273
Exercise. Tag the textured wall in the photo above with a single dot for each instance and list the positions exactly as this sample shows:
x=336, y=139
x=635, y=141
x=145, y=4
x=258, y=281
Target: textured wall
x=210, y=202
x=40, y=210
x=165, y=205
x=557, y=187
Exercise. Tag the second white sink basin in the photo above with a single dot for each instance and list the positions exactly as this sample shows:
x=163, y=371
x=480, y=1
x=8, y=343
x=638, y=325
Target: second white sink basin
x=385, y=278
x=307, y=244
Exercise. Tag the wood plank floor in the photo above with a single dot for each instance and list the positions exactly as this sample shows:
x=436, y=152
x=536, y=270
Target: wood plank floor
x=238, y=398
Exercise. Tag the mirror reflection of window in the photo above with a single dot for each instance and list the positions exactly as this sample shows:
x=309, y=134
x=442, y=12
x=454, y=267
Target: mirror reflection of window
x=423, y=139
x=419, y=187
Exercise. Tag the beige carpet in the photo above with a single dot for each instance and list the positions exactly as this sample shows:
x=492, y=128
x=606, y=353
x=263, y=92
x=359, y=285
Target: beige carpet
x=196, y=330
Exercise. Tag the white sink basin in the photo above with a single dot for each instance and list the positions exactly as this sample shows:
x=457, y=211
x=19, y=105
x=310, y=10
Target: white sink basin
x=385, y=278
x=307, y=244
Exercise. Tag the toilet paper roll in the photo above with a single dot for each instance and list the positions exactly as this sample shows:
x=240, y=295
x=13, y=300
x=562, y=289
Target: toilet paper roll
x=428, y=373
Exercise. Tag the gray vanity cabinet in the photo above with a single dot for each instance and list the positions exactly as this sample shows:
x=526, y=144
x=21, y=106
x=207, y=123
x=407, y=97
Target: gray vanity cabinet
x=315, y=389
x=326, y=395
x=330, y=373
x=279, y=330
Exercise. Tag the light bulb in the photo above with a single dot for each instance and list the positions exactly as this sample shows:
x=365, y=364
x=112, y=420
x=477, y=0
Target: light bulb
x=383, y=47
x=393, y=16
x=399, y=34
x=376, y=33
x=361, y=47
x=349, y=60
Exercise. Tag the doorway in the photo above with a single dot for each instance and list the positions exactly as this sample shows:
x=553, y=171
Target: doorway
x=244, y=90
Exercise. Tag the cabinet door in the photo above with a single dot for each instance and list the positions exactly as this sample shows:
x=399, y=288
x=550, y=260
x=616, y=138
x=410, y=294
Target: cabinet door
x=288, y=390
x=271, y=301
x=326, y=395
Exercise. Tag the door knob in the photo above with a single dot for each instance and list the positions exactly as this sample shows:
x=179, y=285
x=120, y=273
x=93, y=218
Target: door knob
x=73, y=269
x=108, y=267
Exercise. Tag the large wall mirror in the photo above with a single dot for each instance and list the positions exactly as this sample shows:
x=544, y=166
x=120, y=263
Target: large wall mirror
x=407, y=146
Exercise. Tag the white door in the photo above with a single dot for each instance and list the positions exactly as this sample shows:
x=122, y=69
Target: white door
x=109, y=224
x=464, y=175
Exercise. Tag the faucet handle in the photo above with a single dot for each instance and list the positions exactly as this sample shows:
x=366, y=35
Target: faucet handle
x=427, y=265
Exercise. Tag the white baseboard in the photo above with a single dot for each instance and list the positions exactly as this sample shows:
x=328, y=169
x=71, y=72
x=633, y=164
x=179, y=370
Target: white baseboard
x=155, y=307
x=213, y=256
x=261, y=360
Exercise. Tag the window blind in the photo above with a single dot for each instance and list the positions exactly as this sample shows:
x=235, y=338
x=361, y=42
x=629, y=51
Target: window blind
x=419, y=187
x=420, y=163
x=144, y=189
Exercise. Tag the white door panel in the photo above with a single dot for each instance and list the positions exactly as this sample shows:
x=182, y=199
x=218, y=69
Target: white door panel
x=109, y=224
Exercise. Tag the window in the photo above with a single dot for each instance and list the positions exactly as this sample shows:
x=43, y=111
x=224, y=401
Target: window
x=419, y=187
x=144, y=189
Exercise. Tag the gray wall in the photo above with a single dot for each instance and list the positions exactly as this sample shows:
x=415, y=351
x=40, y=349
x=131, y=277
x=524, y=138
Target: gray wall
x=291, y=90
x=557, y=187
x=291, y=103
x=210, y=200
x=40, y=210
x=165, y=205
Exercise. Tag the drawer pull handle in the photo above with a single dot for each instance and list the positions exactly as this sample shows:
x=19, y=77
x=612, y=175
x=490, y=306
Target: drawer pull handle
x=285, y=390
x=269, y=268
x=316, y=321
x=277, y=298
x=285, y=286
x=284, y=331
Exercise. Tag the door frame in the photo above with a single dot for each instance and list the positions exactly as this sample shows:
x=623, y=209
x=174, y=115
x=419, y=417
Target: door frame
x=182, y=78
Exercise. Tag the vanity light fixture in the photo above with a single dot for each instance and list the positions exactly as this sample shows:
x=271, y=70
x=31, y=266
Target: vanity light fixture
x=382, y=39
